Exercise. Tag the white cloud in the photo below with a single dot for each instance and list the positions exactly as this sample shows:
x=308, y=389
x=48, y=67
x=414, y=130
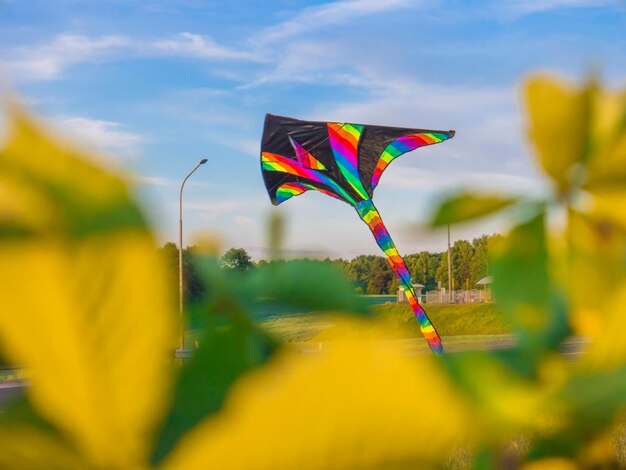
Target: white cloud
x=454, y=179
x=244, y=221
x=169, y=182
x=106, y=136
x=51, y=59
x=525, y=7
x=306, y=62
x=249, y=147
x=327, y=14
x=197, y=46
x=305, y=55
x=213, y=209
x=154, y=181
x=401, y=99
x=487, y=119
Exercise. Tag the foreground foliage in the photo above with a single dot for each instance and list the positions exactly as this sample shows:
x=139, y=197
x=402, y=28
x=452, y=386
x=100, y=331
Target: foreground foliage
x=86, y=307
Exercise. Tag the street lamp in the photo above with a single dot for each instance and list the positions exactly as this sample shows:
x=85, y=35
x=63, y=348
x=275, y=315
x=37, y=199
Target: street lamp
x=180, y=255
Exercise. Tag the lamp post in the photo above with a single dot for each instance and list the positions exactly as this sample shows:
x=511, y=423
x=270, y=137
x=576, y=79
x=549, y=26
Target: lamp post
x=180, y=255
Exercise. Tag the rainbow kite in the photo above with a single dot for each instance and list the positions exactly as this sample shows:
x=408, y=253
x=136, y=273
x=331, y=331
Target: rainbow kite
x=344, y=161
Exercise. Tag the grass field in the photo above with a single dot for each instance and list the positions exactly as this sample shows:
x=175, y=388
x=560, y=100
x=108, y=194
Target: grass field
x=460, y=321
x=450, y=320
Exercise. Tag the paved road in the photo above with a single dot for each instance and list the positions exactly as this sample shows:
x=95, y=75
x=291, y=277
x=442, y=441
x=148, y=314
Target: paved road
x=10, y=390
x=571, y=348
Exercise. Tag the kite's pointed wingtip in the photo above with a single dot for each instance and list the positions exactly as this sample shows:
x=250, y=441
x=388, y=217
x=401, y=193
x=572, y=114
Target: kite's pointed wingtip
x=452, y=133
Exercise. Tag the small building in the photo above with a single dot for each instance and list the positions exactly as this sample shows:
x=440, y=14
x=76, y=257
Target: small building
x=485, y=294
x=402, y=296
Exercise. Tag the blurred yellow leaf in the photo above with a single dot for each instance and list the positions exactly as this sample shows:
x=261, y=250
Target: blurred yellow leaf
x=361, y=403
x=58, y=187
x=608, y=348
x=25, y=447
x=597, y=281
x=608, y=206
x=558, y=127
x=607, y=160
x=507, y=402
x=554, y=463
x=84, y=299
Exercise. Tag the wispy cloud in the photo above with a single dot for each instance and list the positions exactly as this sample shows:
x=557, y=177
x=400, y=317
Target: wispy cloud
x=51, y=59
x=198, y=46
x=107, y=136
x=248, y=147
x=167, y=182
x=300, y=51
x=524, y=7
x=328, y=14
x=212, y=209
x=306, y=62
x=490, y=131
x=465, y=178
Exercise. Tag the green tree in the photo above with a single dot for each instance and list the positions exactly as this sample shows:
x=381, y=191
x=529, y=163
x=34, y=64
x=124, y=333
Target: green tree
x=380, y=276
x=193, y=287
x=462, y=254
x=480, y=261
x=441, y=274
x=434, y=259
x=358, y=271
x=237, y=259
x=423, y=268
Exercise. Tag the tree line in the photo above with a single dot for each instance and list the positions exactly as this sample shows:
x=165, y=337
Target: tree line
x=370, y=274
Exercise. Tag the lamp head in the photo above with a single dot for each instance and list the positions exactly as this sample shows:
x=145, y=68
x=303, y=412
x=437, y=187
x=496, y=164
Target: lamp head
x=203, y=161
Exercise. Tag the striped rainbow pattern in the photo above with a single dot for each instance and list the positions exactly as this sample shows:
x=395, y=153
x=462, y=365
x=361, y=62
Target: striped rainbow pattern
x=369, y=214
x=274, y=162
x=344, y=140
x=289, y=190
x=304, y=156
x=404, y=144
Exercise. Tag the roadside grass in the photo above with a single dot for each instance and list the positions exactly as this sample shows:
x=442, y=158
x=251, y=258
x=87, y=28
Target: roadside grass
x=13, y=374
x=449, y=320
x=460, y=323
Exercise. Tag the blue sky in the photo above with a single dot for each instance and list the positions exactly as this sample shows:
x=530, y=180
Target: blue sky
x=157, y=85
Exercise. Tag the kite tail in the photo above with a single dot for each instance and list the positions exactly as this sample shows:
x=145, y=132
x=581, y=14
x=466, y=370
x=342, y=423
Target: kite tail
x=369, y=214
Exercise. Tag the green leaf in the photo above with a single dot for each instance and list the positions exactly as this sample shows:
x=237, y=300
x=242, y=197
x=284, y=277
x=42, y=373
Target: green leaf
x=310, y=285
x=29, y=441
x=521, y=281
x=468, y=206
x=226, y=351
x=526, y=294
x=493, y=386
x=596, y=396
x=280, y=287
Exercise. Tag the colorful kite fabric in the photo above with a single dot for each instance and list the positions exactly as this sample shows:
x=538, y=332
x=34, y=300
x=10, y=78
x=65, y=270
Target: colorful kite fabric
x=344, y=161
